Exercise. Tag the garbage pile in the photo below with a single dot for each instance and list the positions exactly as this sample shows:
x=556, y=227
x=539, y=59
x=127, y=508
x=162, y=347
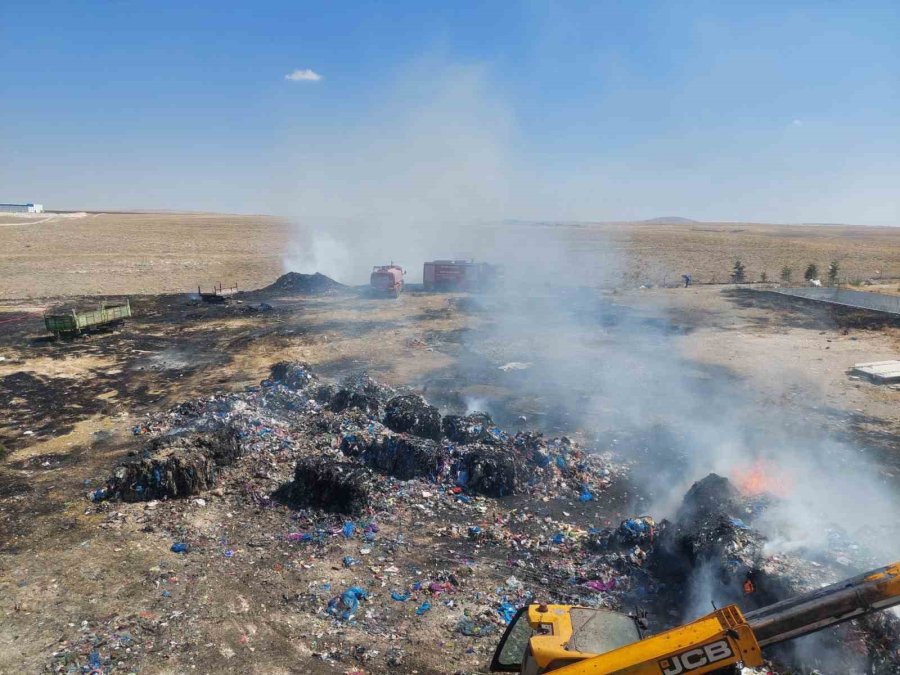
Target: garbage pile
x=412, y=414
x=173, y=466
x=384, y=526
x=712, y=542
x=323, y=486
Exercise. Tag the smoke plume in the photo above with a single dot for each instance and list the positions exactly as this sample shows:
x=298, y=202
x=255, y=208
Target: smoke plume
x=432, y=170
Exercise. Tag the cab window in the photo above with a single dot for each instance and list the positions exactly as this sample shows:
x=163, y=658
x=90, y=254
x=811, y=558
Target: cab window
x=511, y=650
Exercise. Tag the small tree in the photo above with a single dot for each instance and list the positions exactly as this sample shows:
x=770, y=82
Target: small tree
x=812, y=272
x=738, y=274
x=786, y=273
x=763, y=277
x=833, y=270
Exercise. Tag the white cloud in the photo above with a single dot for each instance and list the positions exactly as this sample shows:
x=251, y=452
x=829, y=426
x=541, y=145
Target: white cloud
x=797, y=123
x=305, y=75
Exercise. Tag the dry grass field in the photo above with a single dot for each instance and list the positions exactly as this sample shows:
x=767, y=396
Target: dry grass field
x=115, y=253
x=51, y=255
x=659, y=253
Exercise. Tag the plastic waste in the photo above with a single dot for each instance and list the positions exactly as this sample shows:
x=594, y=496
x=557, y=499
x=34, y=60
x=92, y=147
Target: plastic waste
x=424, y=607
x=438, y=587
x=513, y=584
x=180, y=547
x=468, y=627
x=299, y=536
x=601, y=586
x=399, y=597
x=96, y=665
x=347, y=604
x=507, y=611
x=348, y=529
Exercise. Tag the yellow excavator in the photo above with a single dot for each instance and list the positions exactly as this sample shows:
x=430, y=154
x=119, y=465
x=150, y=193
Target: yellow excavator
x=569, y=640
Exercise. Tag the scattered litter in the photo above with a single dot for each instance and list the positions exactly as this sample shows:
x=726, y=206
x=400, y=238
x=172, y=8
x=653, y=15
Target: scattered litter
x=470, y=628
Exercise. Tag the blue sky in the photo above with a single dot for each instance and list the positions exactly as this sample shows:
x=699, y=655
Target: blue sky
x=775, y=111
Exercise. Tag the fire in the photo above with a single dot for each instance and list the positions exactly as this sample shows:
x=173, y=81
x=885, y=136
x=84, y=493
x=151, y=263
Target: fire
x=762, y=478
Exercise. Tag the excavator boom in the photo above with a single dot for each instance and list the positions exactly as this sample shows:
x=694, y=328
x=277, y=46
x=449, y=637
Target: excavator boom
x=845, y=600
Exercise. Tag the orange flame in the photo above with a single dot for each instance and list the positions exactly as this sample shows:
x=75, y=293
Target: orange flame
x=761, y=478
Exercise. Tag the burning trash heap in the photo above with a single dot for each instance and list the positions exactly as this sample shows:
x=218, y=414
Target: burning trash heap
x=422, y=522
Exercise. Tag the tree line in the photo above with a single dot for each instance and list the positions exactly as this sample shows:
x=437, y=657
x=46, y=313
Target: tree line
x=739, y=273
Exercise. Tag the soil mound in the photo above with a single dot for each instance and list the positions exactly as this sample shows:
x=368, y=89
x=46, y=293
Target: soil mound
x=307, y=284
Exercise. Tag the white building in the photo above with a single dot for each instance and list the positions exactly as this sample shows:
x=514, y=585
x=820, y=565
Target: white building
x=22, y=208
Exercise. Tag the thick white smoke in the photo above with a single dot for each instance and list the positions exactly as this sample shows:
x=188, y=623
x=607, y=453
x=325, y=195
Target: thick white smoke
x=412, y=179
x=432, y=170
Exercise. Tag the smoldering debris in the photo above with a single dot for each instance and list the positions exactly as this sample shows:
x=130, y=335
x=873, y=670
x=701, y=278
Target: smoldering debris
x=293, y=375
x=441, y=533
x=175, y=466
x=492, y=470
x=412, y=414
x=336, y=487
x=709, y=527
x=468, y=428
x=397, y=455
x=712, y=549
x=361, y=392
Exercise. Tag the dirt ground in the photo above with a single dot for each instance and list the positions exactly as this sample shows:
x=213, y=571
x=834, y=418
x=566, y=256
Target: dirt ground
x=67, y=410
x=50, y=255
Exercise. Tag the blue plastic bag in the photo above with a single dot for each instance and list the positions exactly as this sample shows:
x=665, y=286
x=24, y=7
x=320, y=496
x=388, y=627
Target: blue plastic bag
x=347, y=604
x=507, y=611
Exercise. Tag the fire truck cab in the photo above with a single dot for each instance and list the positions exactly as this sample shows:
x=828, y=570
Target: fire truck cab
x=387, y=279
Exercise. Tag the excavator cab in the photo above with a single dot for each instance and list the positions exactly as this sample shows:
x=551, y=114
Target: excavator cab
x=542, y=638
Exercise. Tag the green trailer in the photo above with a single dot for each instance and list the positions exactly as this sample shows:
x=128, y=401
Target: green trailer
x=74, y=321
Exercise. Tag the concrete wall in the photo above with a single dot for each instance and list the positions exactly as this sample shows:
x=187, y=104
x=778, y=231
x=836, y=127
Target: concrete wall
x=846, y=298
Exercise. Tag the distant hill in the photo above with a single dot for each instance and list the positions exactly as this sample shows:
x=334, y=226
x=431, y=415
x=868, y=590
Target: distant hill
x=671, y=220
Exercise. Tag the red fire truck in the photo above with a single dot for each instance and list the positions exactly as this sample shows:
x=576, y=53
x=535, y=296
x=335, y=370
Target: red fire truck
x=458, y=275
x=387, y=279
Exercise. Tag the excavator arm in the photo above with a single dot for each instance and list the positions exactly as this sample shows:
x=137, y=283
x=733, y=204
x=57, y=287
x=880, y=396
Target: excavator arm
x=724, y=638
